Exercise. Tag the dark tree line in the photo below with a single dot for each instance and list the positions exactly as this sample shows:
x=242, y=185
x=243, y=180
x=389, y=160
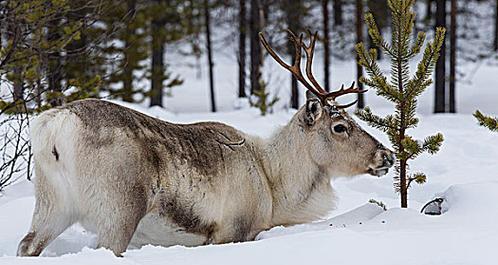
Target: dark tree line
x=139, y=31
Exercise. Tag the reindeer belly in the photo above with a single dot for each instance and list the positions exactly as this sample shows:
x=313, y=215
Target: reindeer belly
x=157, y=230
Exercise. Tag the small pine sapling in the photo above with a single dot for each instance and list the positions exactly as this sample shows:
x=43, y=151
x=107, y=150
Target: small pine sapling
x=487, y=121
x=401, y=89
x=262, y=100
x=378, y=203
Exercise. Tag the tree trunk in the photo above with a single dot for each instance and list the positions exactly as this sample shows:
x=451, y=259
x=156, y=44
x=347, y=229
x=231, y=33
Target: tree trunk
x=428, y=10
x=54, y=75
x=326, y=45
x=294, y=101
x=359, y=38
x=18, y=92
x=265, y=10
x=337, y=12
x=157, y=69
x=440, y=84
x=403, y=189
x=38, y=91
x=496, y=26
x=13, y=34
x=293, y=10
x=453, y=58
x=242, y=49
x=77, y=64
x=255, y=46
x=210, y=55
x=128, y=65
x=18, y=84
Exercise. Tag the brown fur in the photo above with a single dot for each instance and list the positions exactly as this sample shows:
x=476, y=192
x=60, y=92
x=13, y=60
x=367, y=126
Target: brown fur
x=131, y=177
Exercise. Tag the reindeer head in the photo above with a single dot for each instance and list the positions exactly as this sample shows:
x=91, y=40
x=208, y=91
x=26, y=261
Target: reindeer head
x=334, y=140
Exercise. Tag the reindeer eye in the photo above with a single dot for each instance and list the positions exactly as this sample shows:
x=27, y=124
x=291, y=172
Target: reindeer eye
x=340, y=128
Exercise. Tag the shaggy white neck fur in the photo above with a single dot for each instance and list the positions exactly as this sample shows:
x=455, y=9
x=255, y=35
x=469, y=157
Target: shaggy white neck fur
x=301, y=189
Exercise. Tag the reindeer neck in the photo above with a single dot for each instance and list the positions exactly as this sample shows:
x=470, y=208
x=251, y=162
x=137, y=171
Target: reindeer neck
x=301, y=189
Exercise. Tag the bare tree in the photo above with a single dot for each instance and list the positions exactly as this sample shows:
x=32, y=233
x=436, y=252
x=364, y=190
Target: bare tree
x=18, y=92
x=293, y=12
x=359, y=39
x=440, y=84
x=242, y=48
x=157, y=68
x=54, y=66
x=337, y=12
x=209, y=55
x=496, y=26
x=453, y=57
x=127, y=94
x=255, y=46
x=14, y=31
x=326, y=44
x=16, y=148
x=428, y=10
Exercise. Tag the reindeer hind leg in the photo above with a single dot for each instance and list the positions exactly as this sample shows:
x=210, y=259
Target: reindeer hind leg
x=49, y=220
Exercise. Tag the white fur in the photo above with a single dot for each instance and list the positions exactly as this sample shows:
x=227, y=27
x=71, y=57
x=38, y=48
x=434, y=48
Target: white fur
x=112, y=189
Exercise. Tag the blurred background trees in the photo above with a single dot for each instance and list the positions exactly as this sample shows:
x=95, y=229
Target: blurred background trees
x=56, y=51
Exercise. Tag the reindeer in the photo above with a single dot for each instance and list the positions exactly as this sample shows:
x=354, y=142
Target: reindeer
x=135, y=180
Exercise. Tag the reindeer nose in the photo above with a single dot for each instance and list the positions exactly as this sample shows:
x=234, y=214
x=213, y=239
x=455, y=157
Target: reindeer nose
x=388, y=158
x=383, y=160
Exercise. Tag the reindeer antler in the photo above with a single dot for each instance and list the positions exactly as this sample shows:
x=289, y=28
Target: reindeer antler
x=295, y=68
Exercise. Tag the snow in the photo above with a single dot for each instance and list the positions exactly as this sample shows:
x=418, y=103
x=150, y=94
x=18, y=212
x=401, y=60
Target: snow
x=464, y=235
x=464, y=172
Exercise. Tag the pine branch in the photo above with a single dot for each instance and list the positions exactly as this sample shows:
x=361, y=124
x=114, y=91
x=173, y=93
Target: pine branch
x=487, y=121
x=412, y=148
x=415, y=49
x=383, y=124
x=374, y=33
x=411, y=122
x=377, y=80
x=419, y=178
x=433, y=143
x=420, y=81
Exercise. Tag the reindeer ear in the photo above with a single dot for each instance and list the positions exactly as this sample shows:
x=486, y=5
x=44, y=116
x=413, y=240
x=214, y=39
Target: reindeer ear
x=313, y=110
x=310, y=95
